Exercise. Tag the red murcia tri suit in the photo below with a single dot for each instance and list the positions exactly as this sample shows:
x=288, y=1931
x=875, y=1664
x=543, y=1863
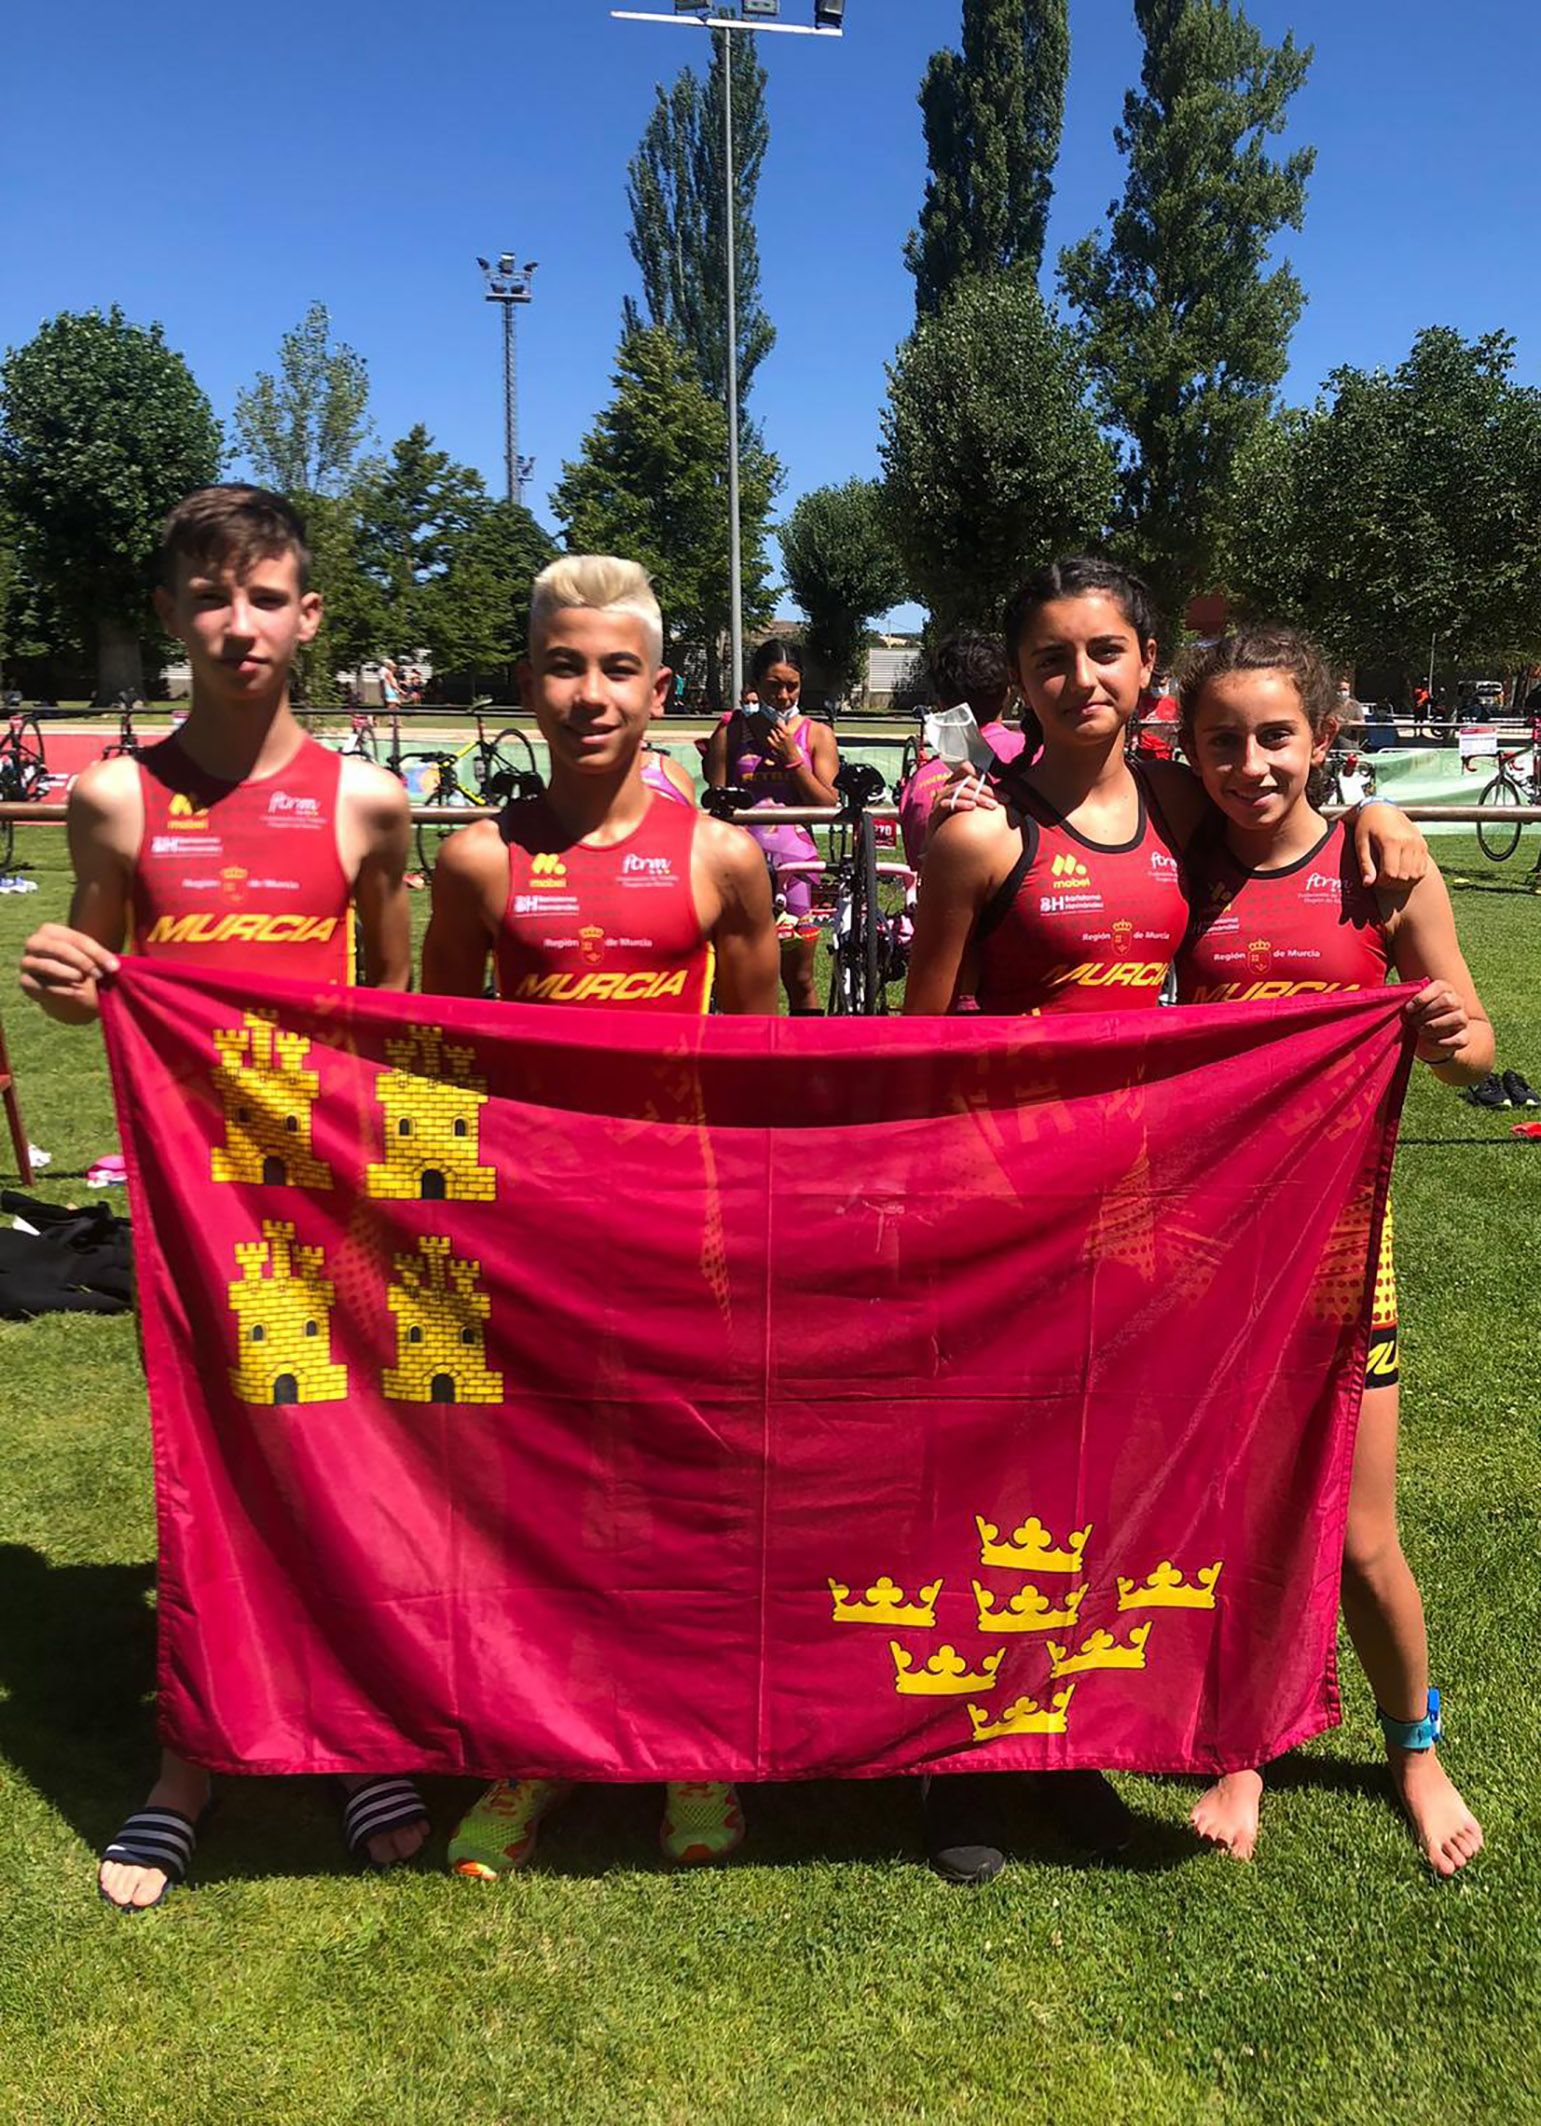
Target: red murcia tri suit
x=615, y=926
x=243, y=876
x=1310, y=929
x=1081, y=925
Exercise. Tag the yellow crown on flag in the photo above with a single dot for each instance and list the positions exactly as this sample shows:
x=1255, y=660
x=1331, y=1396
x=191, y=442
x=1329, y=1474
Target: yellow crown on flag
x=1028, y=1610
x=1101, y=1650
x=886, y=1603
x=1030, y=1548
x=1166, y=1588
x=1025, y=1717
x=946, y=1675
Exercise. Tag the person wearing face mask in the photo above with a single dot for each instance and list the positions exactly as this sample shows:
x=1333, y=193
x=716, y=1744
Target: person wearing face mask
x=781, y=758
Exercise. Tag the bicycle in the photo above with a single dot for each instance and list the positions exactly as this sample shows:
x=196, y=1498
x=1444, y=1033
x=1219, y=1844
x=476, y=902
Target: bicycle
x=23, y=773
x=1499, y=840
x=126, y=744
x=869, y=943
x=1338, y=767
x=503, y=768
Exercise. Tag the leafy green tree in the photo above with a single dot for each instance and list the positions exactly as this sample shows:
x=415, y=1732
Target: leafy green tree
x=993, y=114
x=102, y=429
x=476, y=613
x=842, y=569
x=416, y=515
x=652, y=485
x=1187, y=332
x=1402, y=509
x=992, y=461
x=679, y=219
x=304, y=427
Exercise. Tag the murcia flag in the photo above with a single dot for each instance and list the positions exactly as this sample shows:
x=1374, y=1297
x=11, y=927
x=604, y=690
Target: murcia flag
x=571, y=1393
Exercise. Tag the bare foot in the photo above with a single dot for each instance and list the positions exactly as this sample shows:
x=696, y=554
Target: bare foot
x=182, y=1787
x=1227, y=1813
x=388, y=1849
x=1447, y=1832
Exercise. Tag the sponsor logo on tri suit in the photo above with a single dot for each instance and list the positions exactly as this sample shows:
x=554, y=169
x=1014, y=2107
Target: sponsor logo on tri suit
x=187, y=815
x=548, y=873
x=641, y=986
x=1322, y=886
x=1123, y=936
x=1260, y=955
x=1074, y=893
x=186, y=844
x=554, y=902
x=646, y=871
x=591, y=945
x=287, y=811
x=1162, y=865
x=243, y=929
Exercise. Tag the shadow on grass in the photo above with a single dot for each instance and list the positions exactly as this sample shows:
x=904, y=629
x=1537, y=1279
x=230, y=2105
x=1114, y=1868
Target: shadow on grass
x=77, y=1666
x=1528, y=887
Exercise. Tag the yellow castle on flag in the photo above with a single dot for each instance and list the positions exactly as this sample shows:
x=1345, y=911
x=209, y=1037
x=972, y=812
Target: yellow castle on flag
x=282, y=1301
x=432, y=1103
x=441, y=1320
x=267, y=1094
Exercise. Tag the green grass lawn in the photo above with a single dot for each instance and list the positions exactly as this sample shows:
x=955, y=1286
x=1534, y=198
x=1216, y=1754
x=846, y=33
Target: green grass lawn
x=826, y=1975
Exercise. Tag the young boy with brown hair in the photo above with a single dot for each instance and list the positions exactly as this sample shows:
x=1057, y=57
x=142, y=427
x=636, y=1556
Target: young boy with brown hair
x=240, y=844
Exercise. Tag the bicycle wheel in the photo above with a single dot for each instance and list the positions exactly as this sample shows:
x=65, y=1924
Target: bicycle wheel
x=1500, y=837
x=28, y=758
x=866, y=916
x=505, y=766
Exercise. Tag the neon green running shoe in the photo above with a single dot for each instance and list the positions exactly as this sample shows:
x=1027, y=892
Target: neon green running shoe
x=702, y=1822
x=498, y=1834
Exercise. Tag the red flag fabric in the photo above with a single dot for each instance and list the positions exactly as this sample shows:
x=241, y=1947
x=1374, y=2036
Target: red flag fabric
x=618, y=1397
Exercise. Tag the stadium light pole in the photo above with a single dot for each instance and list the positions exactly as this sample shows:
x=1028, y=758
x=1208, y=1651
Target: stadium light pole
x=509, y=285
x=758, y=17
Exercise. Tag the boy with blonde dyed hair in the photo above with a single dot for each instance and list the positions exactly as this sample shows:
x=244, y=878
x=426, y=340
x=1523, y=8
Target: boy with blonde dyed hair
x=600, y=893
x=604, y=583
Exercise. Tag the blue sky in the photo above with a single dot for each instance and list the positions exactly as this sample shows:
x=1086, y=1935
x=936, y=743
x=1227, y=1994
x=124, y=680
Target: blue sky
x=218, y=172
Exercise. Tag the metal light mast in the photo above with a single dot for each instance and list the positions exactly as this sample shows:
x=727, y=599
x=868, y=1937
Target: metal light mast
x=510, y=285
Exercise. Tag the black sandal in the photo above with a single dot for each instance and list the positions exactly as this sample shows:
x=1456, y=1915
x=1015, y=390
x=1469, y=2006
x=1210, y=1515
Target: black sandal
x=381, y=1804
x=153, y=1838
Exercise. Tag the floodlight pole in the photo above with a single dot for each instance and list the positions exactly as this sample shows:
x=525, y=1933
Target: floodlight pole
x=509, y=286
x=730, y=254
x=727, y=23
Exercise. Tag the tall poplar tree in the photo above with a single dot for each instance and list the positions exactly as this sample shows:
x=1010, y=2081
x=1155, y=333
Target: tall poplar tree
x=651, y=484
x=1187, y=332
x=993, y=115
x=679, y=217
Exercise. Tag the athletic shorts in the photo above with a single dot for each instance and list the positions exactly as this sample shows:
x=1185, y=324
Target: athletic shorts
x=1381, y=1367
x=789, y=845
